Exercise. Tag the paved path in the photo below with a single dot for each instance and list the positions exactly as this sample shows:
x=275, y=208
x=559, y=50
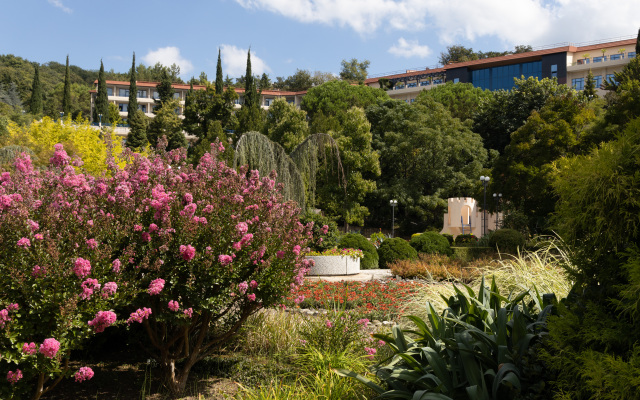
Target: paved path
x=364, y=275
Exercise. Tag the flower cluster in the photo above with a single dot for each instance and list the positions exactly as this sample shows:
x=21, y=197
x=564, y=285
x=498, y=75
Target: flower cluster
x=49, y=348
x=353, y=253
x=14, y=377
x=82, y=267
x=103, y=320
x=174, y=305
x=139, y=315
x=156, y=286
x=84, y=374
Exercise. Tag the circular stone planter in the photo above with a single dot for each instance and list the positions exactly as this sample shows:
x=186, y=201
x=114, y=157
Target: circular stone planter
x=334, y=265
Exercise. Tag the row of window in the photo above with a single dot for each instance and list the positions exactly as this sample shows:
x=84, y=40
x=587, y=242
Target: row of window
x=495, y=78
x=416, y=84
x=613, y=57
x=578, y=83
x=141, y=94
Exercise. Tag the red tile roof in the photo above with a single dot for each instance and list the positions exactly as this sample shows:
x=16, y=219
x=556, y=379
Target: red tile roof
x=183, y=86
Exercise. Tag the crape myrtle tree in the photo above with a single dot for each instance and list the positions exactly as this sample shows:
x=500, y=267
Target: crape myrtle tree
x=192, y=252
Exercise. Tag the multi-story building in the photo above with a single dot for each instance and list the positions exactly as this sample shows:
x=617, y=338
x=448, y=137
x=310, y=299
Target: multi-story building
x=569, y=63
x=118, y=94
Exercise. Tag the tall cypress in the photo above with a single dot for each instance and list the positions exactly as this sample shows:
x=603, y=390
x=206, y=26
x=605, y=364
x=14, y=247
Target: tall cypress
x=132, y=107
x=638, y=44
x=102, y=100
x=219, y=78
x=66, y=96
x=590, y=87
x=35, y=104
x=251, y=96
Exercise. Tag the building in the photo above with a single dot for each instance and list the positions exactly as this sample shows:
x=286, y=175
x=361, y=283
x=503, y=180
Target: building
x=569, y=63
x=464, y=216
x=118, y=94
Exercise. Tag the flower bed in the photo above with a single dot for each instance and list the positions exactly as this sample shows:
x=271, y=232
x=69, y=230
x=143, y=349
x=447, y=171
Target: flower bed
x=372, y=299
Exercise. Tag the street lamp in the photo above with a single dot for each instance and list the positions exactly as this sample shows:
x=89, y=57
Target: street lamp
x=497, y=197
x=393, y=204
x=485, y=181
x=61, y=116
x=100, y=115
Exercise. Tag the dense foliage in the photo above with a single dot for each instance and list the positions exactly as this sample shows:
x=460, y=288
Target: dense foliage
x=507, y=240
x=395, y=249
x=431, y=243
x=357, y=241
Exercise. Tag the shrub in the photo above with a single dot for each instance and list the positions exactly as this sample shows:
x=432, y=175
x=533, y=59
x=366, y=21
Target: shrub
x=507, y=240
x=357, y=241
x=449, y=237
x=431, y=243
x=395, y=249
x=466, y=239
x=472, y=253
x=377, y=238
x=434, y=267
x=325, y=231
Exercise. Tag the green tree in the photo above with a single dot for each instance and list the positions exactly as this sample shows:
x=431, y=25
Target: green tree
x=132, y=107
x=286, y=124
x=35, y=103
x=113, y=116
x=506, y=111
x=361, y=166
x=590, y=87
x=66, y=94
x=426, y=156
x=457, y=53
x=265, y=82
x=214, y=134
x=250, y=116
x=203, y=79
x=102, y=101
x=301, y=80
x=167, y=123
x=461, y=99
x=203, y=107
x=624, y=100
x=638, y=44
x=138, y=124
x=219, y=79
x=354, y=71
x=164, y=88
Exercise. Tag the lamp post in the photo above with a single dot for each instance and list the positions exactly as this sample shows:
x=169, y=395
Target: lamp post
x=61, y=116
x=497, y=197
x=393, y=204
x=100, y=115
x=485, y=181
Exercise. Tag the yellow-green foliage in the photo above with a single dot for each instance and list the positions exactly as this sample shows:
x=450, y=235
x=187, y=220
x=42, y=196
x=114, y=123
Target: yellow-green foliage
x=78, y=138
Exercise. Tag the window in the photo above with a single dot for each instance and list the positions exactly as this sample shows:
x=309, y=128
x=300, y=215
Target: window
x=123, y=107
x=412, y=100
x=109, y=91
x=176, y=95
x=599, y=59
x=142, y=94
x=577, y=83
x=631, y=54
x=177, y=111
x=400, y=86
x=238, y=100
x=554, y=70
x=142, y=108
x=413, y=84
x=123, y=92
x=611, y=78
x=425, y=83
x=156, y=96
x=616, y=57
x=268, y=102
x=598, y=80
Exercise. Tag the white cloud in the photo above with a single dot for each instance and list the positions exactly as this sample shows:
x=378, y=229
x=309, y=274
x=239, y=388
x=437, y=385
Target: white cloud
x=58, y=3
x=536, y=22
x=168, y=56
x=409, y=48
x=234, y=61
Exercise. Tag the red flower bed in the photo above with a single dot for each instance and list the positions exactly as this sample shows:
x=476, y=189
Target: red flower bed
x=371, y=299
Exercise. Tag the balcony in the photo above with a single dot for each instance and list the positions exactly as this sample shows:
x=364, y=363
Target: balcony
x=585, y=64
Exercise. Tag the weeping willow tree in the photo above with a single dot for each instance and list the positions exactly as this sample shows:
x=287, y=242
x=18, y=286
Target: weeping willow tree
x=260, y=153
x=298, y=171
x=310, y=155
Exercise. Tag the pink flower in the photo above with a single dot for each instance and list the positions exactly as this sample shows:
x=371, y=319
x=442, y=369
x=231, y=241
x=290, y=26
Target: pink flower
x=139, y=315
x=92, y=244
x=187, y=252
x=13, y=307
x=242, y=228
x=90, y=222
x=381, y=343
x=38, y=236
x=29, y=348
x=329, y=324
x=103, y=320
x=84, y=374
x=370, y=351
x=364, y=322
x=82, y=267
x=188, y=198
x=246, y=239
x=24, y=242
x=253, y=284
x=153, y=228
x=225, y=259
x=156, y=287
x=14, y=377
x=296, y=250
x=188, y=312
x=60, y=157
x=38, y=271
x=146, y=236
x=109, y=289
x=280, y=254
x=4, y=317
x=299, y=299
x=116, y=264
x=137, y=228
x=242, y=287
x=33, y=225
x=49, y=347
x=251, y=297
x=237, y=246
x=88, y=286
x=174, y=305
x=325, y=229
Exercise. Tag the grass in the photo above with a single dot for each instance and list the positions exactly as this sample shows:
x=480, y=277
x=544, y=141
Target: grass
x=438, y=267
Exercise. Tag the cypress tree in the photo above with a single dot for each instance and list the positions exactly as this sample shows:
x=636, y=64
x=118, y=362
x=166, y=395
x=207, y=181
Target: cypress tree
x=638, y=44
x=132, y=107
x=219, y=78
x=164, y=88
x=102, y=101
x=35, y=104
x=137, y=137
x=251, y=97
x=590, y=87
x=250, y=116
x=66, y=96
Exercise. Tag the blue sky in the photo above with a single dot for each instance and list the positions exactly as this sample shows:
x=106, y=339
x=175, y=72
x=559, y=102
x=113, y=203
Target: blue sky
x=288, y=34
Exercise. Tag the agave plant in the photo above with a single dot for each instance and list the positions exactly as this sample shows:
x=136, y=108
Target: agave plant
x=476, y=349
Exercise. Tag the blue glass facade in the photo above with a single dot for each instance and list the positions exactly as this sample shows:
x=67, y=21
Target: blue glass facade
x=496, y=78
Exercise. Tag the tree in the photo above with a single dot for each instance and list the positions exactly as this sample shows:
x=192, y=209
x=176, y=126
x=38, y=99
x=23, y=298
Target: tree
x=361, y=167
x=35, y=103
x=426, y=156
x=66, y=94
x=265, y=82
x=215, y=134
x=10, y=96
x=624, y=100
x=219, y=80
x=138, y=124
x=286, y=124
x=506, y=111
x=590, y=87
x=203, y=107
x=102, y=101
x=461, y=99
x=113, y=116
x=164, y=88
x=301, y=80
x=167, y=123
x=250, y=116
x=457, y=53
x=132, y=107
x=354, y=71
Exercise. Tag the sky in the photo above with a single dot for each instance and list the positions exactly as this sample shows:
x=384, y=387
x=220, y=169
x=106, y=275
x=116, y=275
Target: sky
x=286, y=35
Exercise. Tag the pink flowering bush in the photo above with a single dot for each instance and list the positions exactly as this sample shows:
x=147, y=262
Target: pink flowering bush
x=157, y=231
